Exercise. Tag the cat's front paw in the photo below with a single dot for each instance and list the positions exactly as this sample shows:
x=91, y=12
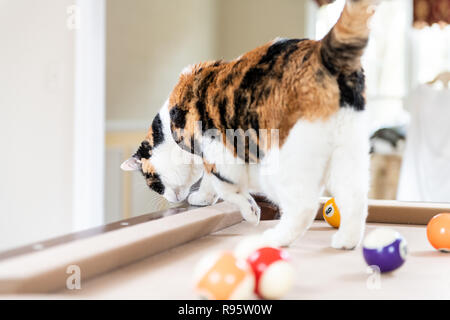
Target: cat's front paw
x=251, y=212
x=345, y=240
x=201, y=199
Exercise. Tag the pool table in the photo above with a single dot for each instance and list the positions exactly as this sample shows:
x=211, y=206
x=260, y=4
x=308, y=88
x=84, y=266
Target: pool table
x=153, y=257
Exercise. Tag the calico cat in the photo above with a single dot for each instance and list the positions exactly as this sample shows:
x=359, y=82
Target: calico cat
x=310, y=93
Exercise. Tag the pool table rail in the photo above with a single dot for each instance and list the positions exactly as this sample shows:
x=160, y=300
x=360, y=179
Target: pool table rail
x=44, y=268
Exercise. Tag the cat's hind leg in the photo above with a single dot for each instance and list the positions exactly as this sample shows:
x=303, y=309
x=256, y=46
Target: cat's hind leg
x=348, y=182
x=298, y=200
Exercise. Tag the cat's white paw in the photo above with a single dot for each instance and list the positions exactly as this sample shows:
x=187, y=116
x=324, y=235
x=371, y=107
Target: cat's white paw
x=277, y=238
x=345, y=240
x=251, y=212
x=201, y=199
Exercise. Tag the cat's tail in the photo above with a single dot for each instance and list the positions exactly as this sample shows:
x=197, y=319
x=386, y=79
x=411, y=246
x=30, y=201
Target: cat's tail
x=341, y=49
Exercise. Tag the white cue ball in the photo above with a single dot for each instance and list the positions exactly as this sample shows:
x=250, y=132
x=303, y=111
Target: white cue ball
x=277, y=280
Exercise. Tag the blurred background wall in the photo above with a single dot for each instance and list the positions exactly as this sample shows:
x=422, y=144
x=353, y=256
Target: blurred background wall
x=150, y=42
x=36, y=101
x=245, y=25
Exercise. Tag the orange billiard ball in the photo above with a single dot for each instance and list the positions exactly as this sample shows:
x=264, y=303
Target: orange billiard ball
x=222, y=276
x=331, y=213
x=438, y=232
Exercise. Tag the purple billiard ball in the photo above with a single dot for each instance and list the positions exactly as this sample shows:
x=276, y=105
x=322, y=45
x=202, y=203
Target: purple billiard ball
x=385, y=248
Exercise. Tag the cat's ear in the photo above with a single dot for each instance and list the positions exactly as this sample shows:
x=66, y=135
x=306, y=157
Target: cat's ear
x=131, y=164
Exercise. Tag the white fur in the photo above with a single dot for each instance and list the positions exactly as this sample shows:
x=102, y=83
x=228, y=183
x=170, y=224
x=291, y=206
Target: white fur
x=205, y=195
x=332, y=154
x=187, y=70
x=235, y=170
x=177, y=168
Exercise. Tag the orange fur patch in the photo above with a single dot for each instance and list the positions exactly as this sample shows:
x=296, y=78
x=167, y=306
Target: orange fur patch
x=273, y=86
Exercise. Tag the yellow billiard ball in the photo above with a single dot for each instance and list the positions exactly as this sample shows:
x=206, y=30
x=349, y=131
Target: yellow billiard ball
x=331, y=213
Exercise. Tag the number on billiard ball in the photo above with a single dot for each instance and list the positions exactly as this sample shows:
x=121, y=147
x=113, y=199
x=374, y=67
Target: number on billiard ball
x=331, y=213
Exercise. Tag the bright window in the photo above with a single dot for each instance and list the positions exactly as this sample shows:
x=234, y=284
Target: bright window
x=430, y=49
x=398, y=58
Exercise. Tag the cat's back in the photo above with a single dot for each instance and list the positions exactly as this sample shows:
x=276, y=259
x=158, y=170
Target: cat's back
x=270, y=87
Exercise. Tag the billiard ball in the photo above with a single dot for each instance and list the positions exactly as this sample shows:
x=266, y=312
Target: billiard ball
x=273, y=272
x=222, y=276
x=331, y=213
x=385, y=248
x=438, y=232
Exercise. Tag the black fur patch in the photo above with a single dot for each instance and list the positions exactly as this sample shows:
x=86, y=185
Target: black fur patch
x=144, y=151
x=207, y=122
x=178, y=117
x=157, y=129
x=239, y=143
x=223, y=112
x=307, y=55
x=352, y=88
x=156, y=184
x=320, y=75
x=203, y=86
x=244, y=145
x=256, y=86
x=194, y=148
x=222, y=178
x=291, y=49
x=337, y=55
x=283, y=46
x=188, y=95
x=232, y=75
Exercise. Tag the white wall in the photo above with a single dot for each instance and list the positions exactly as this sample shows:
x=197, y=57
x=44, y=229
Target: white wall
x=246, y=24
x=36, y=115
x=148, y=43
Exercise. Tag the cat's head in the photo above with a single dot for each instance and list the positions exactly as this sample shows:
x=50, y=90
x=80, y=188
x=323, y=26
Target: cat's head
x=167, y=169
